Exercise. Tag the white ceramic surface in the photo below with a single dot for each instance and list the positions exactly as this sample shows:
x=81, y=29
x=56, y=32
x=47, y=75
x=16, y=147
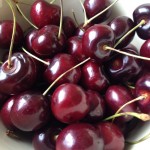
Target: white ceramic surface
x=123, y=7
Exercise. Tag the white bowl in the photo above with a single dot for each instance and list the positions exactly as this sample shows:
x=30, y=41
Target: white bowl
x=123, y=7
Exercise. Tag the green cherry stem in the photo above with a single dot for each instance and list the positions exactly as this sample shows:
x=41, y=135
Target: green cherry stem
x=129, y=32
x=141, y=116
x=13, y=33
x=75, y=18
x=52, y=1
x=31, y=55
x=63, y=74
x=61, y=19
x=20, y=11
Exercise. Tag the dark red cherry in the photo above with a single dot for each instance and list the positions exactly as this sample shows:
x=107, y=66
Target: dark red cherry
x=59, y=64
x=20, y=77
x=5, y=113
x=74, y=47
x=142, y=87
x=145, y=51
x=68, y=26
x=30, y=111
x=94, y=7
x=93, y=77
x=6, y=29
x=116, y=96
x=121, y=25
x=69, y=103
x=142, y=12
x=123, y=68
x=97, y=106
x=46, y=41
x=94, y=40
x=112, y=136
x=43, y=13
x=80, y=136
x=46, y=139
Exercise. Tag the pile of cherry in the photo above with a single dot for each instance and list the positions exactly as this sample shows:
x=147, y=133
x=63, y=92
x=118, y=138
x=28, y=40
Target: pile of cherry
x=88, y=80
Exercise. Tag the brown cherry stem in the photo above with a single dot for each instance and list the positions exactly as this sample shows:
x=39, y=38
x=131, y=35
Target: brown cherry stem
x=87, y=21
x=141, y=116
x=23, y=15
x=140, y=140
x=105, y=47
x=31, y=55
x=63, y=74
x=13, y=33
x=129, y=32
x=16, y=1
x=61, y=19
x=12, y=134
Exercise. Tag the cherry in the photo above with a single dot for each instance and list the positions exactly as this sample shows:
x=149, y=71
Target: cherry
x=46, y=41
x=20, y=77
x=94, y=7
x=74, y=47
x=68, y=26
x=112, y=136
x=42, y=13
x=69, y=103
x=6, y=29
x=116, y=96
x=30, y=111
x=120, y=26
x=5, y=113
x=143, y=88
x=93, y=77
x=59, y=64
x=94, y=40
x=142, y=12
x=145, y=51
x=97, y=106
x=46, y=139
x=79, y=136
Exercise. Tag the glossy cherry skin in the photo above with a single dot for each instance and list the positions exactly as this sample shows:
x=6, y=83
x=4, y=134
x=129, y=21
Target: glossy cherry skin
x=112, y=136
x=20, y=77
x=30, y=111
x=116, y=96
x=46, y=42
x=46, y=139
x=93, y=77
x=123, y=68
x=43, y=13
x=94, y=40
x=97, y=106
x=74, y=47
x=143, y=87
x=69, y=103
x=94, y=7
x=59, y=64
x=142, y=12
x=145, y=51
x=5, y=113
x=79, y=136
x=121, y=25
x=68, y=26
x=6, y=29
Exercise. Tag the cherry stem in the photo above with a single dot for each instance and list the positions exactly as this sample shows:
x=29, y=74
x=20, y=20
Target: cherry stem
x=129, y=32
x=63, y=74
x=52, y=1
x=61, y=19
x=13, y=33
x=132, y=101
x=141, y=116
x=140, y=140
x=87, y=21
x=31, y=55
x=75, y=18
x=130, y=85
x=105, y=47
x=20, y=11
x=12, y=134
x=1, y=62
x=16, y=1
